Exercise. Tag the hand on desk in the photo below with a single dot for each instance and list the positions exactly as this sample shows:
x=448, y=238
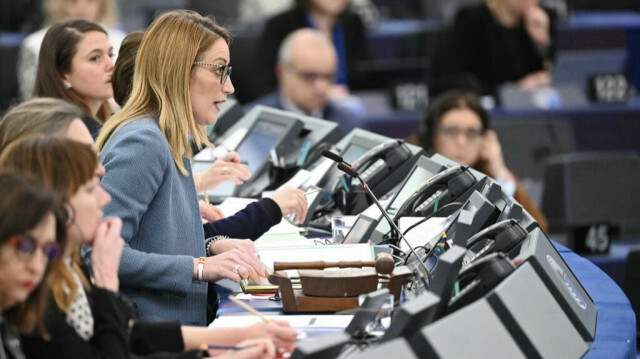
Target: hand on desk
x=234, y=264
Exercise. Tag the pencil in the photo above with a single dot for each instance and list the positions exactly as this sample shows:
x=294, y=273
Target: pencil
x=248, y=308
x=222, y=347
x=313, y=191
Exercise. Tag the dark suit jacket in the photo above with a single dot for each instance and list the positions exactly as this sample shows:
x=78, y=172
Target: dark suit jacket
x=279, y=26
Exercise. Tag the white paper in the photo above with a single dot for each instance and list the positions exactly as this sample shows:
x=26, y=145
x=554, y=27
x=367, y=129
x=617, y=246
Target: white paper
x=296, y=321
x=424, y=233
x=299, y=180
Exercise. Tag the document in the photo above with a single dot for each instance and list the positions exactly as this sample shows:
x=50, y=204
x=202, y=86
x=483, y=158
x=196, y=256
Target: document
x=300, y=322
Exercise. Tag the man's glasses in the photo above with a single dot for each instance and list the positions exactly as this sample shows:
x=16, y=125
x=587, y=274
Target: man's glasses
x=26, y=247
x=311, y=77
x=472, y=134
x=224, y=71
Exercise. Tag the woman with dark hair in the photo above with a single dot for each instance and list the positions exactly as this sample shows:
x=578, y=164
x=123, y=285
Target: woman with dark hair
x=31, y=223
x=75, y=65
x=458, y=127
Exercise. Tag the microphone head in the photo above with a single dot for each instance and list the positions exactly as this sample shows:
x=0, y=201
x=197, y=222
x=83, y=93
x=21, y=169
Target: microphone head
x=348, y=170
x=332, y=156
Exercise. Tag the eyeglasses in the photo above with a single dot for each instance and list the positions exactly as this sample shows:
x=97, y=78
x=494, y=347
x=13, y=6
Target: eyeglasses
x=26, y=247
x=311, y=77
x=472, y=133
x=224, y=71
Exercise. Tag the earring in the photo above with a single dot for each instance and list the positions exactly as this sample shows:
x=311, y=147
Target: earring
x=67, y=85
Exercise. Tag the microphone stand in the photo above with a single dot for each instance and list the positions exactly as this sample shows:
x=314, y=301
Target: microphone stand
x=355, y=174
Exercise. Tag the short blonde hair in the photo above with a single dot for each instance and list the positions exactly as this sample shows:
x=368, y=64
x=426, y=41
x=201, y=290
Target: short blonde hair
x=54, y=14
x=161, y=80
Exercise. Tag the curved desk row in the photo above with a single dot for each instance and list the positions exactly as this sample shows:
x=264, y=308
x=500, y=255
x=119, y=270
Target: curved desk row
x=615, y=335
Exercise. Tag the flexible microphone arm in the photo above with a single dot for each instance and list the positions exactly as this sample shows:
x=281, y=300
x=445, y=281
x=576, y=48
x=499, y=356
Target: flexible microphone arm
x=333, y=156
x=351, y=172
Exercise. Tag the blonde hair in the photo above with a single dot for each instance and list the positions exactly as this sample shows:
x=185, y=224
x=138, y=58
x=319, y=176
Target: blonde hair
x=161, y=80
x=54, y=12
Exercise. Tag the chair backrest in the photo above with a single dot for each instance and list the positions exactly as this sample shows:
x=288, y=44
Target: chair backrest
x=9, y=50
x=528, y=143
x=585, y=189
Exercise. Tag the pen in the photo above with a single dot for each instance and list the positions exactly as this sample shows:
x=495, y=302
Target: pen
x=248, y=308
x=222, y=347
x=312, y=191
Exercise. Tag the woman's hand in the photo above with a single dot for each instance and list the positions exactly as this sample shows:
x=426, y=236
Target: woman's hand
x=233, y=264
x=491, y=155
x=261, y=348
x=292, y=201
x=210, y=212
x=225, y=245
x=107, y=250
x=535, y=79
x=227, y=168
x=280, y=332
x=536, y=22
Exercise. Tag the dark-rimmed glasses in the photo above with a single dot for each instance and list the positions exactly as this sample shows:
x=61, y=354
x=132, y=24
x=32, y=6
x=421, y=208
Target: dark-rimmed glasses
x=224, y=71
x=311, y=76
x=26, y=247
x=471, y=133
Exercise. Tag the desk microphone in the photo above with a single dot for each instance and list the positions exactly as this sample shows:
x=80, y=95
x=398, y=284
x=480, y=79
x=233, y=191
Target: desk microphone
x=344, y=167
x=334, y=157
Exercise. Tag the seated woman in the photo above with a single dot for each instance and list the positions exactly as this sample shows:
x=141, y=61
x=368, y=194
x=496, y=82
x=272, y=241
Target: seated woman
x=500, y=41
x=87, y=318
x=103, y=12
x=457, y=126
x=75, y=65
x=31, y=223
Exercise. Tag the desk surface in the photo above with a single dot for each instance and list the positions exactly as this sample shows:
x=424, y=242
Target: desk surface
x=615, y=327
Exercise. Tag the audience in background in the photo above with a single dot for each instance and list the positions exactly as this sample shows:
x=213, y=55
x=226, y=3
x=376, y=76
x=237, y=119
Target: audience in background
x=458, y=127
x=28, y=247
x=306, y=71
x=331, y=17
x=75, y=64
x=103, y=12
x=500, y=41
x=146, y=149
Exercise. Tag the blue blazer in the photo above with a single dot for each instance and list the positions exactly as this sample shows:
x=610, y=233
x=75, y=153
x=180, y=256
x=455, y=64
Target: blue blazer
x=161, y=224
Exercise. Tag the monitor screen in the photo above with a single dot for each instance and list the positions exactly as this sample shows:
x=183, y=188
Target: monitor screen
x=257, y=145
x=416, y=179
x=353, y=152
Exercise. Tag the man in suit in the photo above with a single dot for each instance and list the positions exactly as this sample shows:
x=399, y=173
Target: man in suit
x=306, y=73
